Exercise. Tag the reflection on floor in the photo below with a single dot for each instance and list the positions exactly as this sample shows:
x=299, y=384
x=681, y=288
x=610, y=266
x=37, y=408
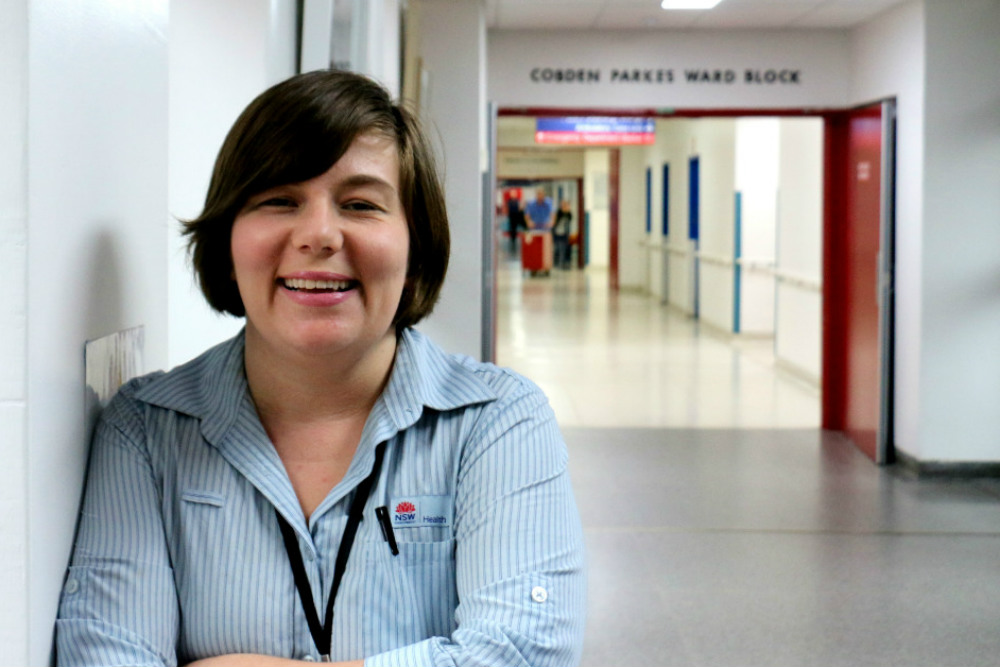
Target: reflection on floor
x=728, y=547
x=608, y=359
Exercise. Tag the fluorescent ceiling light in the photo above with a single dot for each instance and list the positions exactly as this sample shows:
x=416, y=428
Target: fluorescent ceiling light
x=689, y=4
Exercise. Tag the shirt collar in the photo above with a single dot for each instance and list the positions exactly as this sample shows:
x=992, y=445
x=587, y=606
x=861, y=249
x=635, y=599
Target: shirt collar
x=213, y=387
x=210, y=387
x=423, y=375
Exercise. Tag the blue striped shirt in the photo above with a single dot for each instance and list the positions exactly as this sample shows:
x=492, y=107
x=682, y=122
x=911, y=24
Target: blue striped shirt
x=180, y=557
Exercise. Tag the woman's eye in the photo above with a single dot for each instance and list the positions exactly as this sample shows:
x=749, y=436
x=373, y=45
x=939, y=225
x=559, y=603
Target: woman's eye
x=360, y=205
x=280, y=202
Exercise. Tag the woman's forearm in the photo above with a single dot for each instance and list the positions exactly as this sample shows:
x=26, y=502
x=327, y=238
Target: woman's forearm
x=252, y=660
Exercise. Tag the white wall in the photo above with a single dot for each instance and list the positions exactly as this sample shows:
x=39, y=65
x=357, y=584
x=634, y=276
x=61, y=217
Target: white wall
x=452, y=43
x=382, y=44
x=595, y=200
x=83, y=229
x=960, y=316
x=516, y=132
x=821, y=57
x=655, y=241
x=757, y=182
x=95, y=179
x=633, y=264
x=13, y=330
x=541, y=164
x=714, y=142
x=673, y=146
x=888, y=60
x=799, y=257
x=211, y=81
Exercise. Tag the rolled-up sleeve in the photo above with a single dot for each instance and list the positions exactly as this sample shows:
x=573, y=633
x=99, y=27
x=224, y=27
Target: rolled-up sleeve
x=520, y=570
x=119, y=603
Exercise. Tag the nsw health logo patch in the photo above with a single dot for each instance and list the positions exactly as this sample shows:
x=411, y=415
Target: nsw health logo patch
x=416, y=511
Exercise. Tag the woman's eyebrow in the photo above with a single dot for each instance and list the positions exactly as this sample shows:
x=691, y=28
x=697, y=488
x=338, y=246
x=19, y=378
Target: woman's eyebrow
x=357, y=180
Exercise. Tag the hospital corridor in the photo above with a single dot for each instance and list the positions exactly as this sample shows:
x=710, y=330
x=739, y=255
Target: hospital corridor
x=723, y=527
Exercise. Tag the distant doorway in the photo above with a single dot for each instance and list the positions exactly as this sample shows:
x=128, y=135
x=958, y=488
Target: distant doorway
x=857, y=159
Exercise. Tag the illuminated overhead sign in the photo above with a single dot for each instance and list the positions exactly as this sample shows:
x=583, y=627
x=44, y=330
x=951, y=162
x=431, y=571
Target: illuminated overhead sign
x=595, y=131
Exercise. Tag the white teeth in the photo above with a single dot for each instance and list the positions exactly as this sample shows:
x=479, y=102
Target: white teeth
x=336, y=285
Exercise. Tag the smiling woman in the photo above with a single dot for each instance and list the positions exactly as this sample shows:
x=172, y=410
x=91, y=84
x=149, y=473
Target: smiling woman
x=294, y=133
x=224, y=517
x=321, y=265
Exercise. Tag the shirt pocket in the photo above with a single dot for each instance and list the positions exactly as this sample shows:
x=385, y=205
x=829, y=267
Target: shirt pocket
x=412, y=592
x=427, y=573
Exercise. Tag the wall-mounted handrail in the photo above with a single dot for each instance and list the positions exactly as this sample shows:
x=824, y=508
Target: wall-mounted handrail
x=717, y=260
x=757, y=264
x=799, y=280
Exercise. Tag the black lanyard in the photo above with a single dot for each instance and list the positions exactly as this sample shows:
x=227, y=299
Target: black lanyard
x=323, y=634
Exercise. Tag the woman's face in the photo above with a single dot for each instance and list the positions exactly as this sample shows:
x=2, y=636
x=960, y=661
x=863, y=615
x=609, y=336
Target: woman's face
x=321, y=264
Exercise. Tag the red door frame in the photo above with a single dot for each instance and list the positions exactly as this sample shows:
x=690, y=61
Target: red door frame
x=581, y=227
x=835, y=246
x=614, y=180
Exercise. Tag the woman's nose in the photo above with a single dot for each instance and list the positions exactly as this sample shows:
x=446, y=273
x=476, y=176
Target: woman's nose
x=319, y=229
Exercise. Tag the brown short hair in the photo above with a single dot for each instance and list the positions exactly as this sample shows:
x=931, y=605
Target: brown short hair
x=295, y=131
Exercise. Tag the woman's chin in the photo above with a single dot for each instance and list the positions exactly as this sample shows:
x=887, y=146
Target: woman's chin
x=330, y=341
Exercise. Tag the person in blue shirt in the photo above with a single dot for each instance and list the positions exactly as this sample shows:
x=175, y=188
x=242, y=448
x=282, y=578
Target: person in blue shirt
x=539, y=211
x=329, y=484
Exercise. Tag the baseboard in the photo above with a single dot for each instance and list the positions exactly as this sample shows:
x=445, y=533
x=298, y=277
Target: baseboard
x=947, y=469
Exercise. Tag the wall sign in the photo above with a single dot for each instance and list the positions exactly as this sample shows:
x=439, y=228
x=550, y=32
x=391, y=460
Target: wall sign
x=650, y=76
x=595, y=131
x=670, y=69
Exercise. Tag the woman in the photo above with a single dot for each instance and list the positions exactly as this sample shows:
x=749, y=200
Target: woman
x=329, y=484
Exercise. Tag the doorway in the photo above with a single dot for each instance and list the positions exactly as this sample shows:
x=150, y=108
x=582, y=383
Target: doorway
x=675, y=276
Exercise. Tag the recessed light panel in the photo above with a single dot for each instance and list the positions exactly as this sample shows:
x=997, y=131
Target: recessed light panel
x=689, y=4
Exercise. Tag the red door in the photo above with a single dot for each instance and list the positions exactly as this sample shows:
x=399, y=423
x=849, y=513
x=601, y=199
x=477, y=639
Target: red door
x=857, y=299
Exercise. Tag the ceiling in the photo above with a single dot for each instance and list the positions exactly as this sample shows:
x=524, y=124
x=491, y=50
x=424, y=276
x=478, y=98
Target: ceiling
x=646, y=14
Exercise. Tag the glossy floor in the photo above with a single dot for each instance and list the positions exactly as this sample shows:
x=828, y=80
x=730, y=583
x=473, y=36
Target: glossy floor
x=608, y=359
x=715, y=545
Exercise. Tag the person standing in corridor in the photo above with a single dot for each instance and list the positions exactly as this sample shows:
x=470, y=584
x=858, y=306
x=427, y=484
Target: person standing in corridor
x=539, y=216
x=539, y=212
x=560, y=235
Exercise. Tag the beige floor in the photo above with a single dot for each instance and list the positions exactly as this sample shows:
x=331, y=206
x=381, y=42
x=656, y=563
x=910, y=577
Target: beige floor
x=623, y=360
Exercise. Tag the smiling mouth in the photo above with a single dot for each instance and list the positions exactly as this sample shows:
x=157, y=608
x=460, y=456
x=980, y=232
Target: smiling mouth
x=317, y=286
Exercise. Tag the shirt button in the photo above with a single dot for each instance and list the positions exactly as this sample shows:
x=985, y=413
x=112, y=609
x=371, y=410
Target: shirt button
x=309, y=555
x=539, y=594
x=308, y=658
x=72, y=586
